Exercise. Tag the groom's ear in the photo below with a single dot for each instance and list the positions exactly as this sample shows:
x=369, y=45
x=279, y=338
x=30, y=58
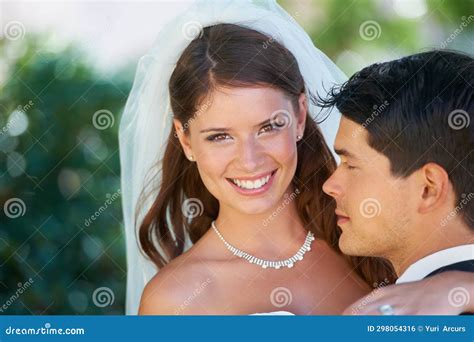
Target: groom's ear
x=183, y=138
x=303, y=111
x=436, y=188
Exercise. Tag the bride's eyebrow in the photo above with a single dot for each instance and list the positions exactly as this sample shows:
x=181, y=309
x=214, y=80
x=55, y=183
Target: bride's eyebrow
x=225, y=129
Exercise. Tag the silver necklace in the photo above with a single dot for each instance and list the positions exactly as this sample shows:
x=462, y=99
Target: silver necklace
x=269, y=263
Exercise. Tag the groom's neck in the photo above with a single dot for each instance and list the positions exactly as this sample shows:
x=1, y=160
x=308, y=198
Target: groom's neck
x=420, y=247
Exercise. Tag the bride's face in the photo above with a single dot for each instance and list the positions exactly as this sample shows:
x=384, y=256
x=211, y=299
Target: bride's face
x=246, y=136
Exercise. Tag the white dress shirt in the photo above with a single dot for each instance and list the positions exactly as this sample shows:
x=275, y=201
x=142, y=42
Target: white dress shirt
x=421, y=268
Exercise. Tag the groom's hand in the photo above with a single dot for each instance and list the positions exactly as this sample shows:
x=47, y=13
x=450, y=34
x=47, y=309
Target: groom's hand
x=448, y=293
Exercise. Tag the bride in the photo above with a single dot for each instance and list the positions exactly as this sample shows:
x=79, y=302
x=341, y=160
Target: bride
x=229, y=205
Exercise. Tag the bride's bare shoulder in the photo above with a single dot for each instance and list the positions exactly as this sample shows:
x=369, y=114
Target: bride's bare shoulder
x=178, y=288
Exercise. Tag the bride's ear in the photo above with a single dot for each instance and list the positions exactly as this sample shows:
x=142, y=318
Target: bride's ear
x=183, y=138
x=303, y=112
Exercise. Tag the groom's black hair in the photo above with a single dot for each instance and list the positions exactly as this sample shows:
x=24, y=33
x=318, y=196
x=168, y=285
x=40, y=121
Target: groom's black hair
x=418, y=109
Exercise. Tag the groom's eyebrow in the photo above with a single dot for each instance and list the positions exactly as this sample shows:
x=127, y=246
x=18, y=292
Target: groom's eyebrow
x=345, y=153
x=225, y=129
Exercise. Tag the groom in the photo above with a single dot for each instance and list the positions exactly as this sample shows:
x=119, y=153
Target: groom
x=405, y=185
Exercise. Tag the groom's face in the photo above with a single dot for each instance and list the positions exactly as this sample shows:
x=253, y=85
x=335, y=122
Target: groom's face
x=372, y=205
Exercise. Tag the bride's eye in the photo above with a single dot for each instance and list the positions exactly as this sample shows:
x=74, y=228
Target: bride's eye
x=269, y=128
x=217, y=137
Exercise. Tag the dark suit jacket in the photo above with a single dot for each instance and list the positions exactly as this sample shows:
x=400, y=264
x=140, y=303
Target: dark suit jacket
x=465, y=266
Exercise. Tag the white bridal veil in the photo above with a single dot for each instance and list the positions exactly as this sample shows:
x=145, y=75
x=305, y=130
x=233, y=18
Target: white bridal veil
x=147, y=117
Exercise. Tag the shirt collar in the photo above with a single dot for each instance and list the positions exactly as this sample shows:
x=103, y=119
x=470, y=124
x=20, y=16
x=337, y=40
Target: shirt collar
x=423, y=267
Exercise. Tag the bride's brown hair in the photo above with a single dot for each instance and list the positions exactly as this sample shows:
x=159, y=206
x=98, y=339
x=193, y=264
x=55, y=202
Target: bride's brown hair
x=227, y=55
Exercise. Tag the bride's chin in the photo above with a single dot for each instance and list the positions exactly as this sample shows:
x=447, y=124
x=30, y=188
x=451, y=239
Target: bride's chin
x=256, y=209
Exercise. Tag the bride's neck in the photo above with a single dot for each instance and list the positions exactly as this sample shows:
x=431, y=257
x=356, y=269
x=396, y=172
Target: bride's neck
x=266, y=233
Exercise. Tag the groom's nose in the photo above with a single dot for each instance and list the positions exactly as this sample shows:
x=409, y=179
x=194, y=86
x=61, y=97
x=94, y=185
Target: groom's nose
x=332, y=187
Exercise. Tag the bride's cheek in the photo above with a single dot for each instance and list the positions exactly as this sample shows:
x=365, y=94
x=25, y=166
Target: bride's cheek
x=282, y=148
x=215, y=159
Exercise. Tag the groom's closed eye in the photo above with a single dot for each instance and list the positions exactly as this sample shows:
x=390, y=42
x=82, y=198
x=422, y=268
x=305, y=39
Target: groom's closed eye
x=349, y=167
x=345, y=154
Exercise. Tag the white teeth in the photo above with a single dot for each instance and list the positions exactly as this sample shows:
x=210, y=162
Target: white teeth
x=252, y=184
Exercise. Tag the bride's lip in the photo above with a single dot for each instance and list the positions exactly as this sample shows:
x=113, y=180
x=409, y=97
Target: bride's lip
x=254, y=177
x=253, y=192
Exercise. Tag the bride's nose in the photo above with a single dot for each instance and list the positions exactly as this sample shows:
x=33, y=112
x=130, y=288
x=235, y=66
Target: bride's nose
x=250, y=155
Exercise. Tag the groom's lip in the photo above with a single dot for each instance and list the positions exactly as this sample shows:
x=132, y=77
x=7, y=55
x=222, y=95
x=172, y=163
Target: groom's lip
x=340, y=214
x=341, y=218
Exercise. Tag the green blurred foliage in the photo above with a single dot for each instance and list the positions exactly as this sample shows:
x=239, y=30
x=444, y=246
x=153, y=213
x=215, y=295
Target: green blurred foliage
x=72, y=169
x=335, y=28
